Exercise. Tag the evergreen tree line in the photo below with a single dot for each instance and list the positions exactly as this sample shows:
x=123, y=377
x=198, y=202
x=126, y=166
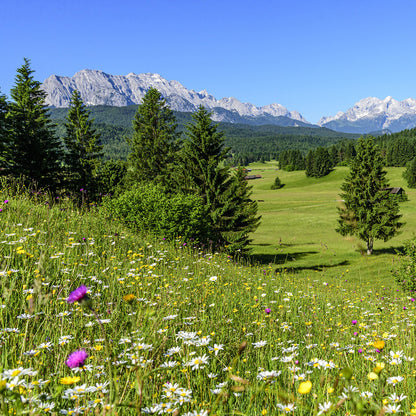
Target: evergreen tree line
x=32, y=152
x=180, y=181
x=320, y=161
x=398, y=149
x=191, y=164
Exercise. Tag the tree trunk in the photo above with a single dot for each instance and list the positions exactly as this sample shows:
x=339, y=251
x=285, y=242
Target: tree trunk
x=370, y=246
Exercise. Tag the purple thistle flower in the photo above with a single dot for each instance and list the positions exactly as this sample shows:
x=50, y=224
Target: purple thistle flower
x=267, y=310
x=76, y=359
x=6, y=201
x=354, y=322
x=78, y=295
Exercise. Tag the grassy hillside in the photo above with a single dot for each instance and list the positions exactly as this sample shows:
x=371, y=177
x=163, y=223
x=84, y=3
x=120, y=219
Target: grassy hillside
x=297, y=231
x=171, y=330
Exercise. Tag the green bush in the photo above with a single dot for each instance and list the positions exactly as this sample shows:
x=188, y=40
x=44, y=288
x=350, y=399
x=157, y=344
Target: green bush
x=405, y=274
x=277, y=184
x=150, y=209
x=111, y=175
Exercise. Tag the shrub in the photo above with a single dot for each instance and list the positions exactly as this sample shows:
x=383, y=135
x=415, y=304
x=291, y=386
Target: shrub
x=277, y=184
x=405, y=274
x=111, y=175
x=150, y=209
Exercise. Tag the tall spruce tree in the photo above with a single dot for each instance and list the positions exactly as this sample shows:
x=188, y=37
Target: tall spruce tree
x=410, y=173
x=240, y=213
x=322, y=162
x=318, y=163
x=84, y=150
x=35, y=151
x=155, y=141
x=232, y=214
x=310, y=163
x=4, y=133
x=370, y=211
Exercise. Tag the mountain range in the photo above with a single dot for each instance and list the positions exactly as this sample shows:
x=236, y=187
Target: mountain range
x=99, y=88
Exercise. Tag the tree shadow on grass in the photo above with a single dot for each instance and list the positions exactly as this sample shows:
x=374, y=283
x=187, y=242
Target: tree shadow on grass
x=284, y=261
x=278, y=258
x=387, y=250
x=280, y=245
x=317, y=267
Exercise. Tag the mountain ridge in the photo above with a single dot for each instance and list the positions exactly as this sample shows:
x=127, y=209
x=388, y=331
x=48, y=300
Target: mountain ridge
x=374, y=114
x=96, y=87
x=99, y=88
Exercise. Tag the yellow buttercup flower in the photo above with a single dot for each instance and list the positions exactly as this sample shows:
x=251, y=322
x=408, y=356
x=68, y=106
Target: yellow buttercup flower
x=372, y=376
x=129, y=297
x=379, y=344
x=69, y=380
x=379, y=367
x=305, y=387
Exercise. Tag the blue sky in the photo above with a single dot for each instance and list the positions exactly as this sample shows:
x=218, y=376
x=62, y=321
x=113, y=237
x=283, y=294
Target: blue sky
x=316, y=57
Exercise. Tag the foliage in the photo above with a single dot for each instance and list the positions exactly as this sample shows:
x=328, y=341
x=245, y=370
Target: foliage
x=84, y=151
x=154, y=142
x=277, y=184
x=398, y=148
x=318, y=163
x=369, y=212
x=231, y=213
x=291, y=160
x=149, y=209
x=400, y=151
x=111, y=176
x=248, y=143
x=35, y=152
x=405, y=274
x=239, y=214
x=4, y=130
x=410, y=173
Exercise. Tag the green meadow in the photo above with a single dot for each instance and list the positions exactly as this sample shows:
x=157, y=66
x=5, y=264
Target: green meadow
x=97, y=320
x=297, y=231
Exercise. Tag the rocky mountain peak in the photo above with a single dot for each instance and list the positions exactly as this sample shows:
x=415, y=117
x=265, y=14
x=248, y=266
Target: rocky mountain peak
x=99, y=88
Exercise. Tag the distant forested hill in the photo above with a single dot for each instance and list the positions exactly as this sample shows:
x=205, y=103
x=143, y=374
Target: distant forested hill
x=247, y=142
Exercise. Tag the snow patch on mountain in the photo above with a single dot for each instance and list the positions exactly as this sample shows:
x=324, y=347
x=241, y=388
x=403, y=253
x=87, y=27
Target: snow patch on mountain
x=372, y=113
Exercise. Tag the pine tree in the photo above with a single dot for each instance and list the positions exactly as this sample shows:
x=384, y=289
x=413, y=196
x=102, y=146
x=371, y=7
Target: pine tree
x=35, y=151
x=84, y=151
x=310, y=163
x=239, y=215
x=4, y=133
x=155, y=140
x=277, y=184
x=410, y=173
x=226, y=197
x=334, y=156
x=370, y=212
x=322, y=163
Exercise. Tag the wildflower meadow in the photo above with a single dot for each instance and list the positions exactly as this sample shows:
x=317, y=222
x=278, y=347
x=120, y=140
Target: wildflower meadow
x=97, y=320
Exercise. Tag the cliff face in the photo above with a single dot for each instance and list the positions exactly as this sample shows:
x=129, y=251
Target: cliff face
x=99, y=88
